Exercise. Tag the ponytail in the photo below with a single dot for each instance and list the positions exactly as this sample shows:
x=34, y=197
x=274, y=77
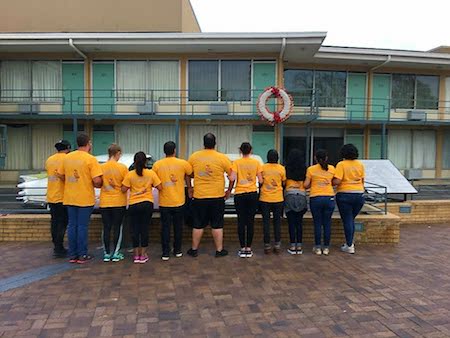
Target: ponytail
x=322, y=158
x=140, y=161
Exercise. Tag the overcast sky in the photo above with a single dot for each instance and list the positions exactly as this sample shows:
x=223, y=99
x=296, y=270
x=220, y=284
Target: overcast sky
x=396, y=24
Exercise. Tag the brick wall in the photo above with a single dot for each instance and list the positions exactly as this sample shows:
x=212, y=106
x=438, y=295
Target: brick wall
x=377, y=229
x=422, y=212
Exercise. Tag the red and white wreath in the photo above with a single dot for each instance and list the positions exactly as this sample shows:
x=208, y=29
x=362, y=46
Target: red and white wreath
x=276, y=116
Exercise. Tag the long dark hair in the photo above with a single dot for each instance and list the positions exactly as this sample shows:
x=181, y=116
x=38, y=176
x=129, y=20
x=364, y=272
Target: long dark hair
x=322, y=158
x=295, y=166
x=140, y=160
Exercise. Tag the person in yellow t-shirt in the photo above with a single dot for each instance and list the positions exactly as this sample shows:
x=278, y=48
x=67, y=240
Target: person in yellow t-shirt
x=271, y=199
x=349, y=178
x=208, y=206
x=319, y=179
x=174, y=173
x=246, y=172
x=113, y=203
x=55, y=193
x=82, y=173
x=295, y=205
x=140, y=182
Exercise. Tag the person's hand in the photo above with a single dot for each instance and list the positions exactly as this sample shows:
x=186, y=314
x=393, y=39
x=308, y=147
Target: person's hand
x=191, y=192
x=111, y=183
x=227, y=195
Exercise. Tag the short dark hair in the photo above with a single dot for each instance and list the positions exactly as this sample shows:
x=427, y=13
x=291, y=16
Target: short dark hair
x=272, y=156
x=349, y=152
x=169, y=148
x=209, y=141
x=83, y=140
x=245, y=148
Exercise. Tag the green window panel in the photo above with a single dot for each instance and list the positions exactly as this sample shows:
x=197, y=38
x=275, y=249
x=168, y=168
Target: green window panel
x=356, y=96
x=103, y=88
x=381, y=94
x=73, y=87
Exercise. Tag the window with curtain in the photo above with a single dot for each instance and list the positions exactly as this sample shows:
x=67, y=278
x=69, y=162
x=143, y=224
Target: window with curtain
x=131, y=80
x=400, y=147
x=235, y=80
x=18, y=155
x=330, y=87
x=403, y=91
x=299, y=83
x=47, y=81
x=423, y=149
x=427, y=92
x=15, y=81
x=446, y=150
x=415, y=91
x=203, y=80
x=163, y=81
x=44, y=137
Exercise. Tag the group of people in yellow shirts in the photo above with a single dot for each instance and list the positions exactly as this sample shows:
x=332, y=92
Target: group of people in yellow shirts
x=72, y=177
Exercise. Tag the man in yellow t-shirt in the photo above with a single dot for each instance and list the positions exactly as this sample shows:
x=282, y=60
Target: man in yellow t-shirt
x=173, y=173
x=55, y=193
x=208, y=206
x=82, y=173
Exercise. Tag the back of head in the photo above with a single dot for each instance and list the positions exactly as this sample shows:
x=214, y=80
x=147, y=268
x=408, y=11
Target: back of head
x=209, y=141
x=140, y=159
x=63, y=145
x=169, y=148
x=349, y=152
x=272, y=156
x=295, y=166
x=322, y=158
x=83, y=140
x=245, y=148
x=113, y=150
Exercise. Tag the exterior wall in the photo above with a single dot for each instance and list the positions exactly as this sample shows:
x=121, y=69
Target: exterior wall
x=97, y=16
x=422, y=212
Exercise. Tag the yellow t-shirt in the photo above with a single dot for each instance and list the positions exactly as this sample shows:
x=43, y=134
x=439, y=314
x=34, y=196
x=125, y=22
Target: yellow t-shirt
x=79, y=168
x=209, y=167
x=274, y=176
x=172, y=171
x=246, y=170
x=141, y=187
x=111, y=194
x=321, y=180
x=351, y=172
x=55, y=185
x=294, y=185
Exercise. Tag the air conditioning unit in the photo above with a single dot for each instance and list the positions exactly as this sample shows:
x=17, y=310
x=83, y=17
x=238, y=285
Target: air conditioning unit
x=218, y=108
x=413, y=174
x=28, y=108
x=148, y=108
x=416, y=115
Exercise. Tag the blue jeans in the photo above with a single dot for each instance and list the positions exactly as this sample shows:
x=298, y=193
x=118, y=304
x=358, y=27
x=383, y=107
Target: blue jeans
x=349, y=204
x=322, y=208
x=77, y=230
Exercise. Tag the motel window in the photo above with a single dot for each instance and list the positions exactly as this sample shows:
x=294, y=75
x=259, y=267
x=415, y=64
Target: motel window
x=329, y=87
x=39, y=81
x=147, y=81
x=221, y=80
x=415, y=91
x=446, y=150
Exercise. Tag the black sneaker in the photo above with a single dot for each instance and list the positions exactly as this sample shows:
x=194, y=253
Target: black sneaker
x=193, y=253
x=165, y=257
x=60, y=253
x=84, y=259
x=221, y=253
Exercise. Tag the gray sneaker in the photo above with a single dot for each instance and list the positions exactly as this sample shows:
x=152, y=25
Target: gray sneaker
x=348, y=249
x=317, y=251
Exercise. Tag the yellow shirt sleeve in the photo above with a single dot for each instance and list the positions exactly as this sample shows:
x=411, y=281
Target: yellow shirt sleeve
x=95, y=168
x=61, y=168
x=283, y=174
x=126, y=181
x=339, y=173
x=308, y=173
x=156, y=167
x=187, y=168
x=155, y=179
x=259, y=168
x=226, y=165
x=234, y=167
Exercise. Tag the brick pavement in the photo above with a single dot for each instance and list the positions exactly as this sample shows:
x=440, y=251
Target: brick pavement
x=383, y=291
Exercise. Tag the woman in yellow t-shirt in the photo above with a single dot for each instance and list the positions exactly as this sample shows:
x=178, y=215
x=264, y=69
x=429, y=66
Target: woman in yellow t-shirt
x=112, y=203
x=140, y=182
x=349, y=178
x=319, y=179
x=246, y=172
x=271, y=199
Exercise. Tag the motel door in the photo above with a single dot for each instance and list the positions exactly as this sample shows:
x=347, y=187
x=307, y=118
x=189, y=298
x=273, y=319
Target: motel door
x=73, y=87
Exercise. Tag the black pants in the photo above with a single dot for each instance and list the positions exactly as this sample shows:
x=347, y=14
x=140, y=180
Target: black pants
x=140, y=215
x=276, y=209
x=246, y=205
x=295, y=221
x=58, y=227
x=112, y=220
x=171, y=217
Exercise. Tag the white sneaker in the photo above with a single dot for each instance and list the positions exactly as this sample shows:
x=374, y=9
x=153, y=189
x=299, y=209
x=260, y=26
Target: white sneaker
x=348, y=249
x=326, y=251
x=242, y=253
x=317, y=251
x=249, y=253
x=292, y=250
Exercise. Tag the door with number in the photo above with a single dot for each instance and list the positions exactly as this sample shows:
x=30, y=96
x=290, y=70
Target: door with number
x=103, y=85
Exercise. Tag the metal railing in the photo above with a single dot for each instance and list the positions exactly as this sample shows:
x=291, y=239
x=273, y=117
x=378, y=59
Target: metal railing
x=214, y=103
x=376, y=197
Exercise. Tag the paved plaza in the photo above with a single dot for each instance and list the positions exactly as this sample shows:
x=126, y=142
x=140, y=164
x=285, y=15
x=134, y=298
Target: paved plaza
x=382, y=291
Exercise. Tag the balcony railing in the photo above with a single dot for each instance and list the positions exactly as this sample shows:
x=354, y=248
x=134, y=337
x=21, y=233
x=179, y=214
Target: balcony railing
x=213, y=104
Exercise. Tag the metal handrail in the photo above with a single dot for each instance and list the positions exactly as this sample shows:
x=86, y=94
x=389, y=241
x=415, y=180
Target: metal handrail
x=374, y=197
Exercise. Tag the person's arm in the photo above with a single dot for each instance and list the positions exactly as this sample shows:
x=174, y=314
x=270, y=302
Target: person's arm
x=336, y=181
x=96, y=173
x=307, y=181
x=124, y=188
x=190, y=189
x=338, y=175
x=159, y=187
x=97, y=181
x=231, y=180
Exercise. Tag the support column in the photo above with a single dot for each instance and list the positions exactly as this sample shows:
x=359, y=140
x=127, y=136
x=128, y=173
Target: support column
x=439, y=151
x=383, y=141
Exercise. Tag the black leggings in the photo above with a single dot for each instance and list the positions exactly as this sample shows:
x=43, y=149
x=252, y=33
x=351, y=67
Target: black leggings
x=277, y=210
x=112, y=220
x=140, y=219
x=246, y=205
x=58, y=214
